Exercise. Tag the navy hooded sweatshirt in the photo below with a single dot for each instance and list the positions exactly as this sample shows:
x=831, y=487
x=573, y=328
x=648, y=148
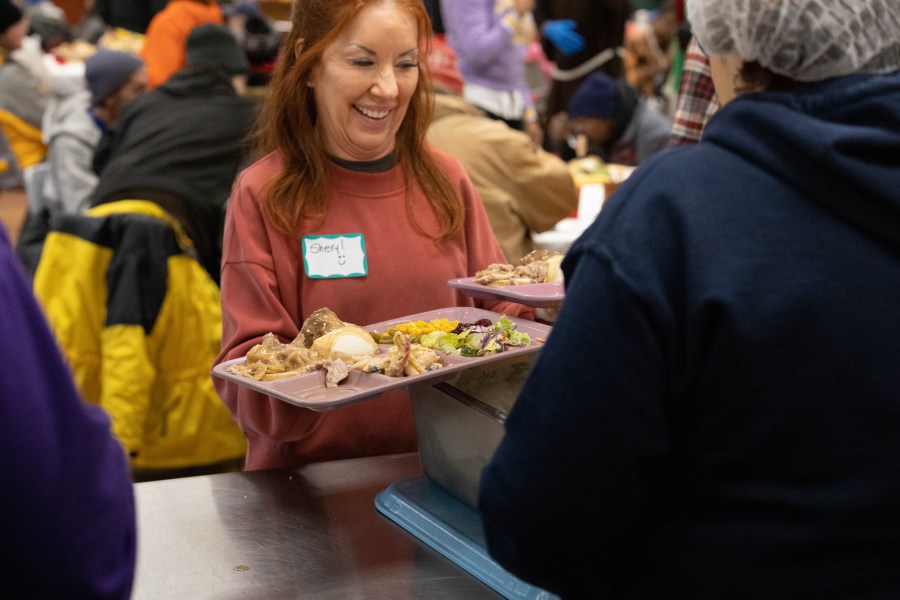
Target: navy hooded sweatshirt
x=716, y=413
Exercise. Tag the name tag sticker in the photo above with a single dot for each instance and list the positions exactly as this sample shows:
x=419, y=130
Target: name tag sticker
x=330, y=256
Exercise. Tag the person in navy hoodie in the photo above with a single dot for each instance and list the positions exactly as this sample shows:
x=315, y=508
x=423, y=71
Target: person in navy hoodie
x=716, y=413
x=68, y=524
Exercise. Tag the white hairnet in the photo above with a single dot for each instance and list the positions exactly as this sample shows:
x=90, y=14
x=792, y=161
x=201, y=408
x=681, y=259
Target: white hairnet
x=805, y=40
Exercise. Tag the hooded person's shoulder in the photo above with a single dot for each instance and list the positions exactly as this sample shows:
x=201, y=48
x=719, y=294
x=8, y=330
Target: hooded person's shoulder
x=832, y=141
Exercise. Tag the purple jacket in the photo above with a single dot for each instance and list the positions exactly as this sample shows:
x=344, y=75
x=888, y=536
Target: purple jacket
x=484, y=49
x=68, y=524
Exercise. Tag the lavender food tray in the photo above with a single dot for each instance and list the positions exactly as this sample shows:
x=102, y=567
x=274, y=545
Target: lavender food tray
x=537, y=295
x=308, y=390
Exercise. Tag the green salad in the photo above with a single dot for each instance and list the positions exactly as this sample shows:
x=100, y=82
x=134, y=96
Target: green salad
x=478, y=339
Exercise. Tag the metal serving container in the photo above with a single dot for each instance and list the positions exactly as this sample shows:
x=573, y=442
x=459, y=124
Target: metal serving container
x=459, y=424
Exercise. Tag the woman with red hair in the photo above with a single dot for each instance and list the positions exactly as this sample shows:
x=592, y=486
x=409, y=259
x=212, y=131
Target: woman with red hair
x=343, y=132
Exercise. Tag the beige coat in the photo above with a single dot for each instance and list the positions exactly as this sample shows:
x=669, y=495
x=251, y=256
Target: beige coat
x=523, y=188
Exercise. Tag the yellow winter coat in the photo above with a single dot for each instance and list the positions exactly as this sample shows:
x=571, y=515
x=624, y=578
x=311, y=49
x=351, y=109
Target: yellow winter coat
x=24, y=140
x=139, y=321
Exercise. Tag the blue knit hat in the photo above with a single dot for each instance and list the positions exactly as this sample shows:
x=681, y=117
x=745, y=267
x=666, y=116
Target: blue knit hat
x=597, y=97
x=107, y=71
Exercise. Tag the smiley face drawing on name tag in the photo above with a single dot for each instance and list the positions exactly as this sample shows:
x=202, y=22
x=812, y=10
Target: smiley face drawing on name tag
x=334, y=256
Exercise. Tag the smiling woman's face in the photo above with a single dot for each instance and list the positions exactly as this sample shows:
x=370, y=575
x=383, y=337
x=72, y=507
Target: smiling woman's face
x=365, y=81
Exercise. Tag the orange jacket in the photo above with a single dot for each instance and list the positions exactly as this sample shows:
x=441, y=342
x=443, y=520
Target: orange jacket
x=164, y=49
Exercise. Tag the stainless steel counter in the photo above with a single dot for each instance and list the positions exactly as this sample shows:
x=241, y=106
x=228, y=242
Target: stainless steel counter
x=288, y=533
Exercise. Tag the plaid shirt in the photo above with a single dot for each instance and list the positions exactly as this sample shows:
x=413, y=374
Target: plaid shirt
x=696, y=98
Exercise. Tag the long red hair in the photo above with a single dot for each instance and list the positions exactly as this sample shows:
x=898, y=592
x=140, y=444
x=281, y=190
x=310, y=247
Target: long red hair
x=289, y=118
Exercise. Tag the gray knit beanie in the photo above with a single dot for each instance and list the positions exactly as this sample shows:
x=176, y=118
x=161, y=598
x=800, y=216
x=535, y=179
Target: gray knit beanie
x=107, y=71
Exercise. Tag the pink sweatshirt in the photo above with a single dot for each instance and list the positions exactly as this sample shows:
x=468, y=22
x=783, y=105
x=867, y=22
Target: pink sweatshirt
x=265, y=288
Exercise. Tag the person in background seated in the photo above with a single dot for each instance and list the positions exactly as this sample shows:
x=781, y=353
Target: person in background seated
x=23, y=96
x=141, y=343
x=580, y=37
x=68, y=528
x=72, y=128
x=73, y=125
x=258, y=35
x=523, y=187
x=343, y=132
x=619, y=126
x=163, y=50
x=182, y=144
x=716, y=414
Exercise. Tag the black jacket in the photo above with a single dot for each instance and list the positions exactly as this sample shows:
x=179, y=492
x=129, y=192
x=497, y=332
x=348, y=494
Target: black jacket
x=180, y=145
